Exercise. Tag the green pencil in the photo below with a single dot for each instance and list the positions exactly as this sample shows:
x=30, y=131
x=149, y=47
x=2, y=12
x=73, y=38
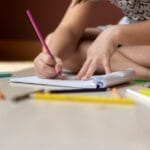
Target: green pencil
x=5, y=74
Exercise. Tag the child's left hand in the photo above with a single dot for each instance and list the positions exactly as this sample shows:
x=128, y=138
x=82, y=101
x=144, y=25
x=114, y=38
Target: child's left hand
x=99, y=53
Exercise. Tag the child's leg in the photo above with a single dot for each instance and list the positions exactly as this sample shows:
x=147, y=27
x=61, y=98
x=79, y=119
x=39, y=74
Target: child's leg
x=90, y=34
x=138, y=54
x=118, y=61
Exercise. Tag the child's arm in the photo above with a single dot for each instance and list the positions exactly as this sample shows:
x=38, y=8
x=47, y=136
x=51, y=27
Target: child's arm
x=134, y=34
x=107, y=42
x=64, y=39
x=69, y=31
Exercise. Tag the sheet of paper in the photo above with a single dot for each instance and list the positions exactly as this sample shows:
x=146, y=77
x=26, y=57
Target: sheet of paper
x=68, y=82
x=108, y=80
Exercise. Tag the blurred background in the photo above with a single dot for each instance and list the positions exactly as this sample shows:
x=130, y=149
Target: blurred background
x=18, y=41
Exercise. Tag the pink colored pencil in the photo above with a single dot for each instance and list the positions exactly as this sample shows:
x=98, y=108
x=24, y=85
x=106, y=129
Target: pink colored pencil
x=38, y=32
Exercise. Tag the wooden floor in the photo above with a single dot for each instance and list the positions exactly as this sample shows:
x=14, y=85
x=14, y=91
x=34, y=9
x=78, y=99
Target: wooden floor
x=14, y=66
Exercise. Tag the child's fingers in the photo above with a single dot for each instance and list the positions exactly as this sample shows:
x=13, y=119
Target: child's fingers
x=47, y=74
x=47, y=59
x=106, y=65
x=58, y=66
x=84, y=69
x=43, y=70
x=90, y=71
x=39, y=73
x=49, y=70
x=57, y=63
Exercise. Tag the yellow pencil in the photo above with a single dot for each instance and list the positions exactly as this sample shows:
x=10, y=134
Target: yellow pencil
x=82, y=98
x=145, y=92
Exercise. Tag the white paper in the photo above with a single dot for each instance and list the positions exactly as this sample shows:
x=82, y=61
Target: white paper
x=100, y=81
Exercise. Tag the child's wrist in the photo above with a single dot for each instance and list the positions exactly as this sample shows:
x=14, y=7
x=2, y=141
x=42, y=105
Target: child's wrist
x=117, y=34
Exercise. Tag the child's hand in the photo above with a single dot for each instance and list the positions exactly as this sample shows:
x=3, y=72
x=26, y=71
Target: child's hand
x=99, y=54
x=46, y=66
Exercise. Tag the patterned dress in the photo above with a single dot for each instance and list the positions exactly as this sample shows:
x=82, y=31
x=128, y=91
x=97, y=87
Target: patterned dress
x=135, y=10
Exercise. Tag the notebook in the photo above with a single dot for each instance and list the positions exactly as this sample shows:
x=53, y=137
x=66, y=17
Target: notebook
x=97, y=81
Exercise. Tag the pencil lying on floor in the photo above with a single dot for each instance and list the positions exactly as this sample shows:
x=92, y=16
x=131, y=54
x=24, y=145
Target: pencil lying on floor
x=82, y=98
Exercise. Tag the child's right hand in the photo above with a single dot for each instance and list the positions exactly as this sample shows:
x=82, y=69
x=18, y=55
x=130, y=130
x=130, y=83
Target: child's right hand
x=47, y=66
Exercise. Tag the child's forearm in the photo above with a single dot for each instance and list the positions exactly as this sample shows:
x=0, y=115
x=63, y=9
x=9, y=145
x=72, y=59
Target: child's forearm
x=134, y=34
x=69, y=31
x=63, y=42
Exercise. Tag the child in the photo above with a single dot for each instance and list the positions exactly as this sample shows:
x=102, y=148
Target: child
x=89, y=50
